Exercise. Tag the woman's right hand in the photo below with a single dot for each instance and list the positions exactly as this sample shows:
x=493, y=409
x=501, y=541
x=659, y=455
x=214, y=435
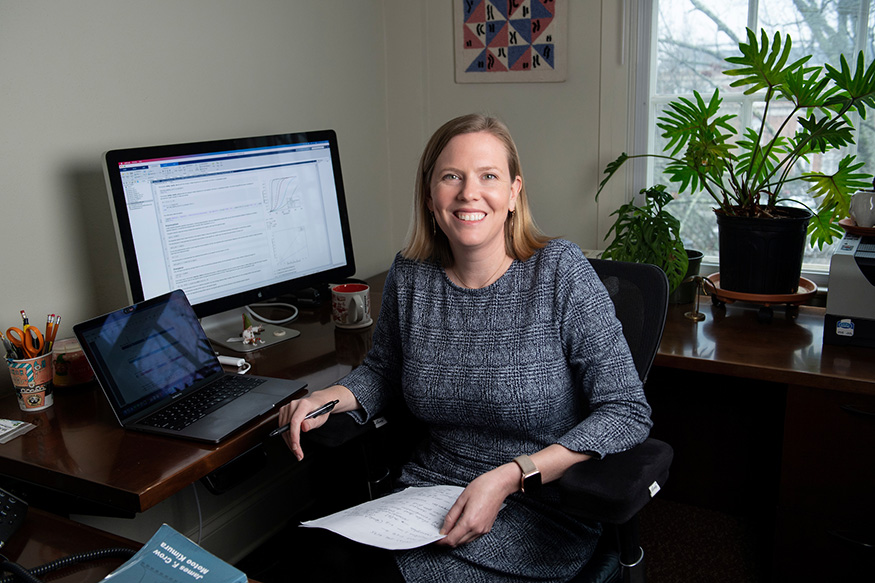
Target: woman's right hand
x=293, y=414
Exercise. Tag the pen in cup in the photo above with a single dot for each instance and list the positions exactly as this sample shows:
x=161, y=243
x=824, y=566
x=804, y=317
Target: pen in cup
x=11, y=352
x=326, y=408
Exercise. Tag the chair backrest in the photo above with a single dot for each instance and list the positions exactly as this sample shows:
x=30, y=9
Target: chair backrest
x=640, y=295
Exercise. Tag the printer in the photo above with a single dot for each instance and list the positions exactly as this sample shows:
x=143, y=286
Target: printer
x=850, y=301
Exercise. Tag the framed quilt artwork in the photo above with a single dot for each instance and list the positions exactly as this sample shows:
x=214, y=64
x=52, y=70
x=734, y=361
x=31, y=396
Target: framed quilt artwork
x=510, y=41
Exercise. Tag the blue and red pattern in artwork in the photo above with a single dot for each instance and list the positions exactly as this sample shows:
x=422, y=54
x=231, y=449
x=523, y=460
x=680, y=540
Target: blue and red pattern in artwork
x=508, y=35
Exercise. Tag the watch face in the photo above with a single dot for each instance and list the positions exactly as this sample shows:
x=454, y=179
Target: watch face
x=532, y=483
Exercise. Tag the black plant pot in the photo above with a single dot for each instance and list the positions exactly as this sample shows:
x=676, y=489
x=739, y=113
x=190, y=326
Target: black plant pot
x=762, y=255
x=685, y=293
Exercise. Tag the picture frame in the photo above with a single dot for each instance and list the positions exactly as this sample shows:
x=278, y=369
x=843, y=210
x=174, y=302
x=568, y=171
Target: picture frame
x=510, y=41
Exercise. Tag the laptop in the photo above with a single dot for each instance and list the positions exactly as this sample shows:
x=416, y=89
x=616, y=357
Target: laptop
x=153, y=359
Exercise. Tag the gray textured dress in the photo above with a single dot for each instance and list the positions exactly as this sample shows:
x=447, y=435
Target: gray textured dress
x=535, y=358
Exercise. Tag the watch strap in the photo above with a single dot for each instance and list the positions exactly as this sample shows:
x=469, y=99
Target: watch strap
x=530, y=482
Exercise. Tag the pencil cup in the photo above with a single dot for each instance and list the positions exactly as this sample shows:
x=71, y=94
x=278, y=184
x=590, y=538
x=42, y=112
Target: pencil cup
x=32, y=379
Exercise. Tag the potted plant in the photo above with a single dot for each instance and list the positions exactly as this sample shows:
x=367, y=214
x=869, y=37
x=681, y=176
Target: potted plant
x=746, y=171
x=650, y=234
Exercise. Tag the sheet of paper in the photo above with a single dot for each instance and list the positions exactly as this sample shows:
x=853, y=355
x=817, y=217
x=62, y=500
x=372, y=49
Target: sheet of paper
x=404, y=520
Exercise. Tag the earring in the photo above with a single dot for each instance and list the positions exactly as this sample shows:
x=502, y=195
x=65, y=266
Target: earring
x=433, y=226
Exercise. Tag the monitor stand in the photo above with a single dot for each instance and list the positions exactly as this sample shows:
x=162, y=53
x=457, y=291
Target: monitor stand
x=225, y=329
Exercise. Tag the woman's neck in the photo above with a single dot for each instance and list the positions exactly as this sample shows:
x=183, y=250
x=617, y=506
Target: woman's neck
x=476, y=273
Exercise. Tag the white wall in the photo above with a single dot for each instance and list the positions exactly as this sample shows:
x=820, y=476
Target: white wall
x=79, y=78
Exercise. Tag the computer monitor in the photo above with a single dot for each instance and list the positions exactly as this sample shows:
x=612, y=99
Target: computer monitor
x=231, y=222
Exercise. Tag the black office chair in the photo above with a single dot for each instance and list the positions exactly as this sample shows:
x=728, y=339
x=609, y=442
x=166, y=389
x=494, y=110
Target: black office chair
x=611, y=490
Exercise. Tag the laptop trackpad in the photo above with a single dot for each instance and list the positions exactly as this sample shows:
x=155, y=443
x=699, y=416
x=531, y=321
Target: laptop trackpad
x=281, y=389
x=250, y=405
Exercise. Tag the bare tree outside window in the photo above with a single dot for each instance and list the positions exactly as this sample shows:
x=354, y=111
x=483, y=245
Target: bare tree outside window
x=693, y=37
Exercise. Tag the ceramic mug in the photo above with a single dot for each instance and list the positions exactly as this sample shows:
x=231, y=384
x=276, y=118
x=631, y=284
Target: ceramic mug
x=351, y=305
x=863, y=208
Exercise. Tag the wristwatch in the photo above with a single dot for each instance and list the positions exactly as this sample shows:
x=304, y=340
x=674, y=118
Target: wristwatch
x=530, y=482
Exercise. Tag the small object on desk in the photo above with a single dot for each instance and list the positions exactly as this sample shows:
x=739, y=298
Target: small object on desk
x=326, y=408
x=231, y=361
x=696, y=315
x=32, y=379
x=70, y=366
x=863, y=208
x=170, y=557
x=351, y=305
x=13, y=509
x=251, y=331
x=12, y=428
x=241, y=364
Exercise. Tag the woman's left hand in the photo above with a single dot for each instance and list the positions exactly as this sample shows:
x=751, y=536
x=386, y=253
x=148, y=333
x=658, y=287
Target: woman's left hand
x=475, y=510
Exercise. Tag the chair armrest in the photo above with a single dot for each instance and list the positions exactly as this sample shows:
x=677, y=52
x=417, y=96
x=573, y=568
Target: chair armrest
x=338, y=430
x=395, y=422
x=615, y=488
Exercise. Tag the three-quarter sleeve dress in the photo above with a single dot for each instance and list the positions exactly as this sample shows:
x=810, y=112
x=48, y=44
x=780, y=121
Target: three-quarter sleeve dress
x=536, y=358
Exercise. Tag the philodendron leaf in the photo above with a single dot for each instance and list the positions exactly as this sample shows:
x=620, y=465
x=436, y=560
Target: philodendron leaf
x=836, y=189
x=762, y=68
x=610, y=170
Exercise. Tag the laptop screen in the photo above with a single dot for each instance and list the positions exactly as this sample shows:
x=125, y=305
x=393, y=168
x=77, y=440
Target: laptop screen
x=148, y=351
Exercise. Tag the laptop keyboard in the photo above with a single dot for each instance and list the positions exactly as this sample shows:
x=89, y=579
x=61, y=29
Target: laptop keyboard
x=183, y=413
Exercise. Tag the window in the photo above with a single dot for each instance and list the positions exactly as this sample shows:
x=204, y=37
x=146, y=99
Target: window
x=688, y=44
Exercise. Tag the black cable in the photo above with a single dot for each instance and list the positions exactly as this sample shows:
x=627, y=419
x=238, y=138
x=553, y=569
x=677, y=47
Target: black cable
x=32, y=575
x=18, y=572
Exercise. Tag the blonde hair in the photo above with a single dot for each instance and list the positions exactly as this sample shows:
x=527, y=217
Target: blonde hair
x=426, y=240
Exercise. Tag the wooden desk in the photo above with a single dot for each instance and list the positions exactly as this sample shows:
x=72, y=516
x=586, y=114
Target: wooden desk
x=764, y=416
x=733, y=342
x=78, y=451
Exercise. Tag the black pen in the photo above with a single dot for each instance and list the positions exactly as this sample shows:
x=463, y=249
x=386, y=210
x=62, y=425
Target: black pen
x=326, y=408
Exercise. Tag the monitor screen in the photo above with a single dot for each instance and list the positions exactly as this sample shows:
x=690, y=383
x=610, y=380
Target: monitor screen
x=231, y=222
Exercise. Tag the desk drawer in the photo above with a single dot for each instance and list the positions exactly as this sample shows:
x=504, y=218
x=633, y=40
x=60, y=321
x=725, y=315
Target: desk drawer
x=829, y=452
x=827, y=480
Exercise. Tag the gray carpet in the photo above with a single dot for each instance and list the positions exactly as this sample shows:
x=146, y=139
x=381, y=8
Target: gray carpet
x=684, y=543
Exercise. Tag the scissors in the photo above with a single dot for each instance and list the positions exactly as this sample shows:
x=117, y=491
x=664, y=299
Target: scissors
x=29, y=342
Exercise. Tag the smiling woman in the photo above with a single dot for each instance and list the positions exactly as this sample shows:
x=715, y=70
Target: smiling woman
x=504, y=346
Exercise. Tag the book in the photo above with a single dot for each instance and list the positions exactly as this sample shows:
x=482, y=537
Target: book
x=170, y=557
